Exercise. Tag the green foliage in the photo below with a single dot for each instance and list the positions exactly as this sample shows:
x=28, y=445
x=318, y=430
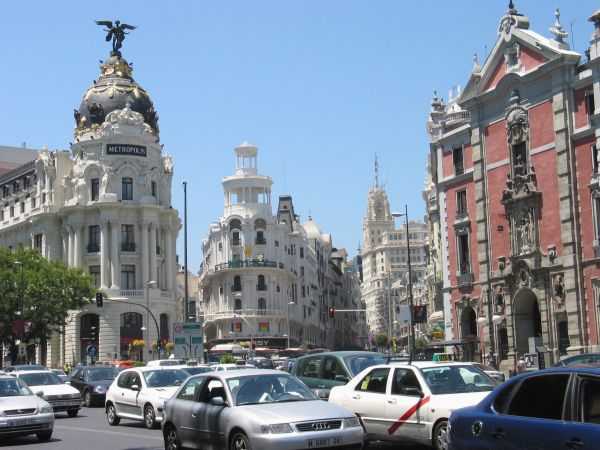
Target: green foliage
x=420, y=344
x=381, y=340
x=227, y=359
x=48, y=290
x=139, y=364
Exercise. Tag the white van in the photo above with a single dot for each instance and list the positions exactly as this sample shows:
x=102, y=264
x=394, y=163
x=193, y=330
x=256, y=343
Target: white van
x=164, y=362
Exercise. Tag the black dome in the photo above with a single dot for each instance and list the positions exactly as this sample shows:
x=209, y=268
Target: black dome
x=113, y=90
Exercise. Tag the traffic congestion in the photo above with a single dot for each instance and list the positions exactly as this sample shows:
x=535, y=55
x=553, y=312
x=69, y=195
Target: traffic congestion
x=346, y=399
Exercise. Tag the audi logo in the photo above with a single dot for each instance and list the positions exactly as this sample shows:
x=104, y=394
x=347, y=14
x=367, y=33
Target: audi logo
x=321, y=426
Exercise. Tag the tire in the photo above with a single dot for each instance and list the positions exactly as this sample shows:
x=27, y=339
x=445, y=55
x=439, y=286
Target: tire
x=87, y=399
x=111, y=415
x=72, y=412
x=239, y=441
x=44, y=436
x=440, y=436
x=149, y=417
x=171, y=438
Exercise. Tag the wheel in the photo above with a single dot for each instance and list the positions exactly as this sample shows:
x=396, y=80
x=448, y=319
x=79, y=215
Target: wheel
x=44, y=436
x=239, y=441
x=440, y=436
x=111, y=415
x=149, y=417
x=87, y=399
x=171, y=438
x=72, y=412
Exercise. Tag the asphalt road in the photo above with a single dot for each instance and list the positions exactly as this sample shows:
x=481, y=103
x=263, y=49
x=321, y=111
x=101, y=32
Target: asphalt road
x=90, y=431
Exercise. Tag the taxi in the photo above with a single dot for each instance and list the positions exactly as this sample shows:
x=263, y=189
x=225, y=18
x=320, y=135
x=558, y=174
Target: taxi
x=412, y=401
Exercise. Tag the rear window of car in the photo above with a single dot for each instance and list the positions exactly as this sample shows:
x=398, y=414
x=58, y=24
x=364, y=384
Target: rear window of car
x=102, y=373
x=357, y=363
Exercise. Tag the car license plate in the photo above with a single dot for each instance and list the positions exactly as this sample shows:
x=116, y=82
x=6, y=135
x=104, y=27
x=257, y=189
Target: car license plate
x=324, y=442
x=17, y=422
x=58, y=404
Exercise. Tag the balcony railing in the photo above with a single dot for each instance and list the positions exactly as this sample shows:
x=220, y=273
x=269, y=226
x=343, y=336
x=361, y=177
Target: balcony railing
x=93, y=248
x=238, y=264
x=465, y=279
x=128, y=246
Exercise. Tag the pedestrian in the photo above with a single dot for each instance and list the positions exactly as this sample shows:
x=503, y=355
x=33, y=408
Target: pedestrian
x=521, y=365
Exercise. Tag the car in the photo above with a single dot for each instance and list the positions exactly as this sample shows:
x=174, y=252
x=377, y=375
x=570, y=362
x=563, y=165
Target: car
x=261, y=362
x=412, y=401
x=196, y=370
x=552, y=408
x=61, y=396
x=140, y=394
x=322, y=371
x=231, y=366
x=585, y=358
x=163, y=362
x=22, y=412
x=24, y=367
x=255, y=408
x=495, y=374
x=92, y=382
x=62, y=376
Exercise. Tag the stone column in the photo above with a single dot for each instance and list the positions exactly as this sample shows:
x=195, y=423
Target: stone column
x=169, y=266
x=114, y=255
x=65, y=244
x=103, y=254
x=77, y=245
x=152, y=252
x=71, y=246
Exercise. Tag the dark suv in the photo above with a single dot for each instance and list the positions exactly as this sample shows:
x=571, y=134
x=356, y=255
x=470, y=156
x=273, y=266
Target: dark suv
x=92, y=382
x=322, y=371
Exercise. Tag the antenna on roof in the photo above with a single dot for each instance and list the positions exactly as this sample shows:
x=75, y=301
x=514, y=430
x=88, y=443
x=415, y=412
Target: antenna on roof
x=376, y=173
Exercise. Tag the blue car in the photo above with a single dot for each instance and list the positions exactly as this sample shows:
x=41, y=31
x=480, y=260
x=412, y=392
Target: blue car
x=557, y=408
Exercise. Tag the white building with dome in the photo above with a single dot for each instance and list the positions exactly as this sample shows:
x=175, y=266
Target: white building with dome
x=105, y=207
x=265, y=277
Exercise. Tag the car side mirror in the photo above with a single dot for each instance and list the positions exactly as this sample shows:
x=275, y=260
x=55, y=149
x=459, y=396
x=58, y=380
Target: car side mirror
x=413, y=391
x=40, y=393
x=134, y=387
x=218, y=401
x=341, y=378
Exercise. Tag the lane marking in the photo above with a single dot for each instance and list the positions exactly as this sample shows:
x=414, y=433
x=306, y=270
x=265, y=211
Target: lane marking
x=407, y=414
x=114, y=433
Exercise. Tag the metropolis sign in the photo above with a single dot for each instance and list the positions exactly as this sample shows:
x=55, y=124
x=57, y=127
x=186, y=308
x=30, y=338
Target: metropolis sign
x=126, y=149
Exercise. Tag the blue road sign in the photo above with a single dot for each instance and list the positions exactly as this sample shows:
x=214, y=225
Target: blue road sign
x=92, y=350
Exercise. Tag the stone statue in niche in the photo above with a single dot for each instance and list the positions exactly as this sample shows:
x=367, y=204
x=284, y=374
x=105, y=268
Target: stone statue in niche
x=105, y=183
x=524, y=232
x=68, y=187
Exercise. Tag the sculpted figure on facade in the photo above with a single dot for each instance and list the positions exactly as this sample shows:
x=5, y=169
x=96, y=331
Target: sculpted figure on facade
x=168, y=163
x=45, y=157
x=106, y=179
x=67, y=185
x=524, y=232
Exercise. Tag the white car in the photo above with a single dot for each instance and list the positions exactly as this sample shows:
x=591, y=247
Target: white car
x=22, y=412
x=412, y=402
x=61, y=396
x=231, y=366
x=140, y=394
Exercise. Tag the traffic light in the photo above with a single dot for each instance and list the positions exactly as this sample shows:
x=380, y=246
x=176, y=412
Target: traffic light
x=253, y=345
x=99, y=299
x=92, y=333
x=158, y=346
x=331, y=311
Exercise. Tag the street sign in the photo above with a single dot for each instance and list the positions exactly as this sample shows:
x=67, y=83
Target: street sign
x=22, y=348
x=188, y=340
x=91, y=350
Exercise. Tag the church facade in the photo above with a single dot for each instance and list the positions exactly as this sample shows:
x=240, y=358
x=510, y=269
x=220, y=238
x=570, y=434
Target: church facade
x=513, y=194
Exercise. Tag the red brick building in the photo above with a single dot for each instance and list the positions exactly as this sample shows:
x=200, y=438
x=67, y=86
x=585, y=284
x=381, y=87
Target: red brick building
x=516, y=197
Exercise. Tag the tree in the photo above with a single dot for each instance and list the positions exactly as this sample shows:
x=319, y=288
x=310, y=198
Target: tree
x=227, y=359
x=44, y=290
x=381, y=340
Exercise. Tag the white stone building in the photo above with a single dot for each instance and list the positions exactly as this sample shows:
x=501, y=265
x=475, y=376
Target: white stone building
x=103, y=206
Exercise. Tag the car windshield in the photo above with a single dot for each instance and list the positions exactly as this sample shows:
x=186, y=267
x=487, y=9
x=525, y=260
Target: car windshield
x=40, y=379
x=102, y=373
x=254, y=389
x=357, y=363
x=13, y=387
x=165, y=378
x=59, y=372
x=262, y=363
x=457, y=379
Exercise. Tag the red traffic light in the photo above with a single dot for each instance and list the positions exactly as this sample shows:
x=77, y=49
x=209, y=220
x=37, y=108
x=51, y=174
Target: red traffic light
x=331, y=311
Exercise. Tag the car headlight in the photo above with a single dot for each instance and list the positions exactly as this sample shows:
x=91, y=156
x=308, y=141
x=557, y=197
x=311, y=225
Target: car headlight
x=46, y=409
x=351, y=422
x=100, y=390
x=276, y=428
x=2, y=414
x=78, y=395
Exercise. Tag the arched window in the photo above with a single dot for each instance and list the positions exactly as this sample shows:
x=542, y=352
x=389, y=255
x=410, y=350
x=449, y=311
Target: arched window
x=164, y=327
x=234, y=227
x=262, y=306
x=235, y=224
x=131, y=330
x=260, y=224
x=237, y=284
x=238, y=304
x=261, y=286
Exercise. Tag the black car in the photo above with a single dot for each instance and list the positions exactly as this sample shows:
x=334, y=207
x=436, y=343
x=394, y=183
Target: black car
x=585, y=358
x=23, y=367
x=92, y=382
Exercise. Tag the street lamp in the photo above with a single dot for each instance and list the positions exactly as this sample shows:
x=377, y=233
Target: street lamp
x=288, y=323
x=148, y=285
x=411, y=346
x=22, y=322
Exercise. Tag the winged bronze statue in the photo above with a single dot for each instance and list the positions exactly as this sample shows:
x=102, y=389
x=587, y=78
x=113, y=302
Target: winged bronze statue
x=115, y=32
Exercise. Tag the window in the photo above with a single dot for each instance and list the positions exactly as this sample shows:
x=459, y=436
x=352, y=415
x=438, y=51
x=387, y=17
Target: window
x=127, y=189
x=235, y=238
x=95, y=189
x=262, y=306
x=457, y=160
x=237, y=304
x=333, y=370
x=375, y=381
x=93, y=239
x=260, y=238
x=153, y=188
x=464, y=260
x=191, y=390
x=589, y=395
x=596, y=204
x=540, y=396
x=237, y=284
x=405, y=383
x=12, y=211
x=311, y=368
x=95, y=272
x=461, y=204
x=127, y=276
x=22, y=207
x=261, y=286
x=37, y=242
x=301, y=252
x=164, y=327
x=590, y=106
x=127, y=238
x=33, y=202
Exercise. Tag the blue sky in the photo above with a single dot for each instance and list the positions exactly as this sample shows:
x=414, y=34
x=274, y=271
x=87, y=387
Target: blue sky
x=320, y=86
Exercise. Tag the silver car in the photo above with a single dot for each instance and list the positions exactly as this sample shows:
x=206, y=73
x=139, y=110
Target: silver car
x=255, y=408
x=22, y=412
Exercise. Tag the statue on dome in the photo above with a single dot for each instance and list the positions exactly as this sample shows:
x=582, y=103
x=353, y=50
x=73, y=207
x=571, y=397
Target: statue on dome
x=168, y=163
x=115, y=32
